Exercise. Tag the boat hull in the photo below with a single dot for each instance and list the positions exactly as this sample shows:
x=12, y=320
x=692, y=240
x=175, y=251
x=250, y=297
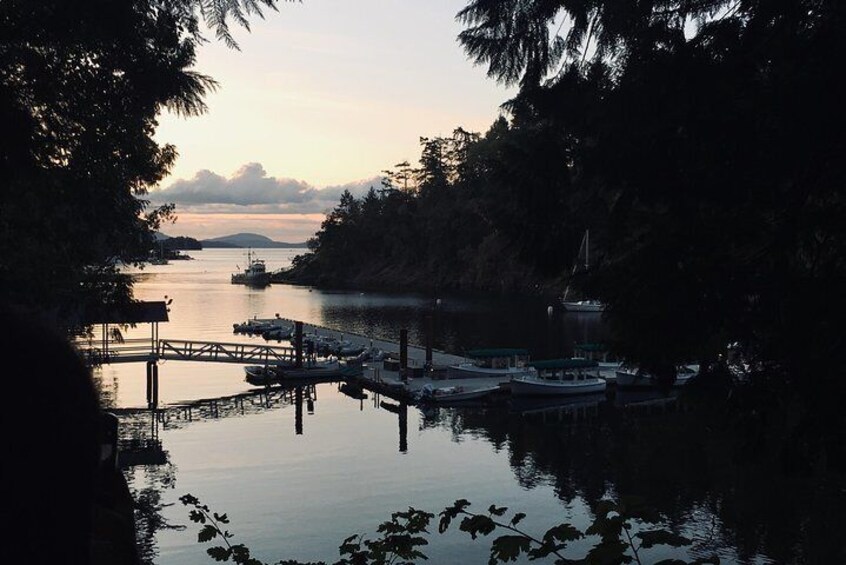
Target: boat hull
x=452, y=394
x=584, y=307
x=633, y=380
x=468, y=371
x=541, y=387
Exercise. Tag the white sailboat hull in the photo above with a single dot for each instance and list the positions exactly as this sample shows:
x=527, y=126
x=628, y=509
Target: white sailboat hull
x=584, y=306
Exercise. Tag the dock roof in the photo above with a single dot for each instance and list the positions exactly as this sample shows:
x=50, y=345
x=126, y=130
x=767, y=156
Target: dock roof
x=497, y=352
x=133, y=313
x=564, y=364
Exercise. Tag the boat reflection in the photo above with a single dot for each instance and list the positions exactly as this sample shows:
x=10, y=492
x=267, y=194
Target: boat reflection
x=581, y=406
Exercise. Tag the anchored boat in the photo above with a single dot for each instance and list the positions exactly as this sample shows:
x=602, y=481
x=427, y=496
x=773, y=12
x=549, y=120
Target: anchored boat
x=254, y=274
x=560, y=377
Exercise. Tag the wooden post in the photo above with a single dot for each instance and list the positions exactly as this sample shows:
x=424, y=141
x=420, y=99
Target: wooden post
x=429, y=339
x=155, y=385
x=298, y=345
x=150, y=384
x=404, y=354
x=403, y=427
x=298, y=416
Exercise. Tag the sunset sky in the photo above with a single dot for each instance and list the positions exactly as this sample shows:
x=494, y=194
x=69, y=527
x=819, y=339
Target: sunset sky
x=323, y=95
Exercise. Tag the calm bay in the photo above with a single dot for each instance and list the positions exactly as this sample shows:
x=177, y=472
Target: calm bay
x=296, y=478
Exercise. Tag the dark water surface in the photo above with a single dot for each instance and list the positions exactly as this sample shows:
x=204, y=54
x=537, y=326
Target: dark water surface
x=299, y=472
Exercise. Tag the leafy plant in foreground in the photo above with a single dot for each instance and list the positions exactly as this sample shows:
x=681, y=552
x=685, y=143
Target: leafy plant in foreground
x=402, y=537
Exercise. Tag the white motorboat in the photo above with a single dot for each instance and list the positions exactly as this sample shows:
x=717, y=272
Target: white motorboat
x=583, y=306
x=262, y=375
x=328, y=367
x=504, y=362
x=447, y=394
x=560, y=377
x=633, y=377
x=254, y=274
x=599, y=352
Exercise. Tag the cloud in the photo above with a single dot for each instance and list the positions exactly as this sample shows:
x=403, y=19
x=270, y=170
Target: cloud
x=251, y=190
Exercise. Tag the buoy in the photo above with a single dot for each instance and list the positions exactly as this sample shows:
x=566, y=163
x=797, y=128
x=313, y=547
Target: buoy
x=549, y=310
x=438, y=301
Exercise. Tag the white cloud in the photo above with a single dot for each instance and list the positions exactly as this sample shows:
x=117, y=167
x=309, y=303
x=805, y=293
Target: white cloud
x=251, y=190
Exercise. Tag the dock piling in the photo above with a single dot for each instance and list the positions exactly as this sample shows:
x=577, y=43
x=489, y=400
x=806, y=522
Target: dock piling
x=298, y=344
x=404, y=354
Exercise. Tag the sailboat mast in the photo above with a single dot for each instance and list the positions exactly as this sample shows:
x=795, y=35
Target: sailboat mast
x=587, y=248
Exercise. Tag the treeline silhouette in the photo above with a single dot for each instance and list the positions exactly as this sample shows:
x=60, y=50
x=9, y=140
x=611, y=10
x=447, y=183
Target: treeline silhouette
x=700, y=142
x=480, y=212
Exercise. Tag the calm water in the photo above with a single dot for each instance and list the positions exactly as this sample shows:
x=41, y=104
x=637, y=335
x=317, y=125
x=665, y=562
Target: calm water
x=298, y=474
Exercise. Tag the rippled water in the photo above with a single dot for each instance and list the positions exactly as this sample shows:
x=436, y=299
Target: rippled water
x=299, y=472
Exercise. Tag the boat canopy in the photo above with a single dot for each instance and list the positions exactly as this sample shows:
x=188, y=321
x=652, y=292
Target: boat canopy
x=548, y=364
x=591, y=347
x=503, y=352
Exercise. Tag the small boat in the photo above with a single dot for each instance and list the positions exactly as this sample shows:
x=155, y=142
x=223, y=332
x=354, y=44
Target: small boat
x=599, y=352
x=329, y=367
x=633, y=377
x=259, y=326
x=560, y=377
x=453, y=393
x=254, y=274
x=581, y=305
x=260, y=375
x=353, y=391
x=503, y=362
x=278, y=333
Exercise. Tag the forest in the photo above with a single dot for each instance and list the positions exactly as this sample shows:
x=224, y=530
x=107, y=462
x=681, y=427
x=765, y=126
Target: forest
x=700, y=143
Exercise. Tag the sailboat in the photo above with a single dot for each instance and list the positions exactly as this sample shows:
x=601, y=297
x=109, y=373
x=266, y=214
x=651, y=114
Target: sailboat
x=582, y=305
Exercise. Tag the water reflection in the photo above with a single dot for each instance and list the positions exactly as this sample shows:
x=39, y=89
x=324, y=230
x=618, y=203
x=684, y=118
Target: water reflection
x=660, y=448
x=459, y=323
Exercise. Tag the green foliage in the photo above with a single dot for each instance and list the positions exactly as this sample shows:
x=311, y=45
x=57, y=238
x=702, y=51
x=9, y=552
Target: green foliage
x=402, y=537
x=81, y=87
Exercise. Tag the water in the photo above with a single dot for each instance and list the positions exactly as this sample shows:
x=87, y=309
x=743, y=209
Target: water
x=296, y=478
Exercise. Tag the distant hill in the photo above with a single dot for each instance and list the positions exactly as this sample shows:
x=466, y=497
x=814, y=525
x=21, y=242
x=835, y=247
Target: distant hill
x=247, y=240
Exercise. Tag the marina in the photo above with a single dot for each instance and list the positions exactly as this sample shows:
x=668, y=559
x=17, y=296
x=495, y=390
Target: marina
x=301, y=464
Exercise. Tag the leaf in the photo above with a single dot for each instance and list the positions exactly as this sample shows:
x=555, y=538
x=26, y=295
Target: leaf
x=671, y=562
x=208, y=533
x=219, y=553
x=508, y=548
x=477, y=524
x=636, y=507
x=661, y=537
x=562, y=533
x=450, y=513
x=197, y=516
x=189, y=500
x=497, y=511
x=517, y=518
x=222, y=518
x=609, y=552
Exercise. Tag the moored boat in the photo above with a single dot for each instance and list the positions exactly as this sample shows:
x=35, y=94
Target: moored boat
x=635, y=378
x=560, y=377
x=447, y=394
x=262, y=375
x=254, y=274
x=501, y=362
x=320, y=368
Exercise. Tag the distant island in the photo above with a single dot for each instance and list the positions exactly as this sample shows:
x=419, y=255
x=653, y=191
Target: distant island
x=234, y=241
x=239, y=240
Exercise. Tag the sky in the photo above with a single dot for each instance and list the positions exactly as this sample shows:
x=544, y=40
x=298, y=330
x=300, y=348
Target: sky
x=323, y=96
